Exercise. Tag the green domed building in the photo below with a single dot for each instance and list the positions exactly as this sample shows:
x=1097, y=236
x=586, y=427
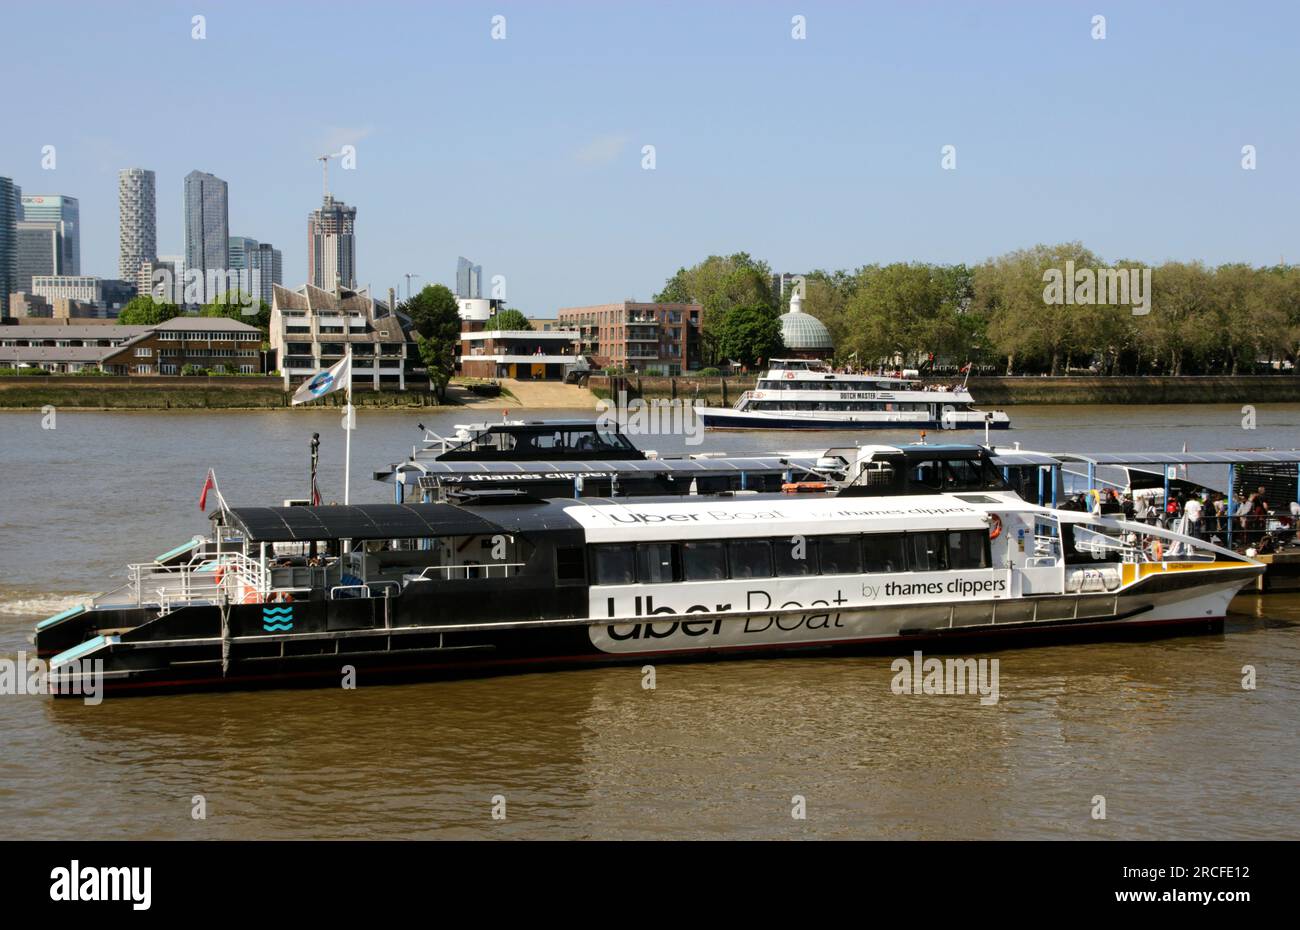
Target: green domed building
x=805, y=336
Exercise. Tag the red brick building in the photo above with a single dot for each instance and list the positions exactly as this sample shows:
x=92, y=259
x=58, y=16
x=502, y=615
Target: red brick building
x=644, y=337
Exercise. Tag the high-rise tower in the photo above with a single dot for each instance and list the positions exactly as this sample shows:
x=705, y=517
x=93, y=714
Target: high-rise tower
x=138, y=221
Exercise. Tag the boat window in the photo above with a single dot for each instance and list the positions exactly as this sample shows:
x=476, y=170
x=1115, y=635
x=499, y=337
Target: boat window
x=795, y=555
x=968, y=549
x=569, y=564
x=928, y=474
x=616, y=441
x=840, y=555
x=884, y=552
x=965, y=474
x=704, y=561
x=926, y=551
x=655, y=563
x=615, y=564
x=750, y=558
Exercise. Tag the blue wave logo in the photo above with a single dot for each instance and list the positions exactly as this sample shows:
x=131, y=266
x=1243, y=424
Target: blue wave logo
x=277, y=619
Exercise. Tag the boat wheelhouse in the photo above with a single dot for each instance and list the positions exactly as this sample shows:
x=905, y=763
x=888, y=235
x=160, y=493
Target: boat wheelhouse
x=918, y=544
x=520, y=440
x=808, y=394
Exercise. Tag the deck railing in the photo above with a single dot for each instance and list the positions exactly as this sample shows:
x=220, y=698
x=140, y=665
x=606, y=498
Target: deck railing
x=467, y=572
x=231, y=576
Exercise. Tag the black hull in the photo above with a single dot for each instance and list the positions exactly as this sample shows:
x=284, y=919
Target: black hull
x=525, y=651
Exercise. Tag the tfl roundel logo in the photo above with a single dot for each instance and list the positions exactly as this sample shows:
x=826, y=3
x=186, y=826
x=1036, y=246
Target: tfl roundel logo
x=321, y=384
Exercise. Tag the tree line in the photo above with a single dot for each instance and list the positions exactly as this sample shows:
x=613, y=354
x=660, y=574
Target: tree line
x=1014, y=314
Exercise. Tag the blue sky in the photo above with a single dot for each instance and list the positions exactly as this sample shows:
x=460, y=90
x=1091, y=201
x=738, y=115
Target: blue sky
x=525, y=154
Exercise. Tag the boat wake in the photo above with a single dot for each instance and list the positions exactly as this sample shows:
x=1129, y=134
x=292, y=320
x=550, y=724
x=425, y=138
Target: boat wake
x=33, y=604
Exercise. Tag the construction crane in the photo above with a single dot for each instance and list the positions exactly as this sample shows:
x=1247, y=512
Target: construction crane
x=409, y=276
x=325, y=170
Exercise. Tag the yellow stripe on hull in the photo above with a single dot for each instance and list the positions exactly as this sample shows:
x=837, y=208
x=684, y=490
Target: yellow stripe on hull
x=1133, y=572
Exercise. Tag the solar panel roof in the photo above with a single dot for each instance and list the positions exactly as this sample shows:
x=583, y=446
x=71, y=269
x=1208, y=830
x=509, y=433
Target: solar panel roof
x=390, y=521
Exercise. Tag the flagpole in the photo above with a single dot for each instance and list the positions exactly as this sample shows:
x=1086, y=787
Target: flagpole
x=216, y=487
x=347, y=420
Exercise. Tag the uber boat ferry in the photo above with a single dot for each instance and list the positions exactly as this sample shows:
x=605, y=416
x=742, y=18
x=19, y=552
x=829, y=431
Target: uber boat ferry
x=807, y=394
x=915, y=544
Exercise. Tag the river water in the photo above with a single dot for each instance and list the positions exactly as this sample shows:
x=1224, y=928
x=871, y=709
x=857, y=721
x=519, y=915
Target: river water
x=1164, y=730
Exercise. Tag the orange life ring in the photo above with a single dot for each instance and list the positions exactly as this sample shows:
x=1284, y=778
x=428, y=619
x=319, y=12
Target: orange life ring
x=218, y=575
x=995, y=526
x=789, y=375
x=1157, y=550
x=251, y=596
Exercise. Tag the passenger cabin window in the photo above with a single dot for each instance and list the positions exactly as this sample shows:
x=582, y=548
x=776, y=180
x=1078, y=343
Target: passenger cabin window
x=885, y=553
x=844, y=554
x=750, y=558
x=569, y=564
x=655, y=563
x=704, y=561
x=968, y=549
x=795, y=556
x=615, y=564
x=927, y=551
x=840, y=555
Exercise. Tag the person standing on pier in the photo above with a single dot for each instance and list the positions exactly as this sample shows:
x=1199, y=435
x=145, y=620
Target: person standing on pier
x=1192, y=515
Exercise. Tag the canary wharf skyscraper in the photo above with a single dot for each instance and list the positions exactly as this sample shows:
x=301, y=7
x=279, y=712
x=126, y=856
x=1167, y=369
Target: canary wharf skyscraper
x=66, y=212
x=137, y=220
x=9, y=206
x=207, y=227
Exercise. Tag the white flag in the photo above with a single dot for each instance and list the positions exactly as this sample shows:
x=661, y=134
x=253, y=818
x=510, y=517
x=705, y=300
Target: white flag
x=337, y=376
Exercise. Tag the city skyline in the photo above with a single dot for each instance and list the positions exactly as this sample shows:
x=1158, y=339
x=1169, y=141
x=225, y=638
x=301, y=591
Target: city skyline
x=1051, y=144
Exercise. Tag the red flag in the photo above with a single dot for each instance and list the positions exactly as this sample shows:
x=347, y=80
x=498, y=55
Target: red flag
x=209, y=482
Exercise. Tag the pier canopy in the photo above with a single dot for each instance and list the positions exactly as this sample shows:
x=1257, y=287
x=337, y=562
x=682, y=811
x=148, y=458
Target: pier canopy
x=1225, y=457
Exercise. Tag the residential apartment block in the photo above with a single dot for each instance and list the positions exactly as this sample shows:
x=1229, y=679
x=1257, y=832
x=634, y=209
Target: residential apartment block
x=138, y=222
x=312, y=328
x=651, y=338
x=165, y=349
x=526, y=355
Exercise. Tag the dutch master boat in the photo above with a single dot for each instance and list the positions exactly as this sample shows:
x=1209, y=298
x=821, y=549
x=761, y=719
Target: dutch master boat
x=807, y=394
x=915, y=544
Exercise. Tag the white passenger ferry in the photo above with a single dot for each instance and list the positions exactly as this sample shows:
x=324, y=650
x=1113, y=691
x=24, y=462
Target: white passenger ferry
x=913, y=544
x=808, y=394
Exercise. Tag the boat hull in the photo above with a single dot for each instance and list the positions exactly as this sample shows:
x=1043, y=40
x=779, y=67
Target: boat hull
x=1172, y=604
